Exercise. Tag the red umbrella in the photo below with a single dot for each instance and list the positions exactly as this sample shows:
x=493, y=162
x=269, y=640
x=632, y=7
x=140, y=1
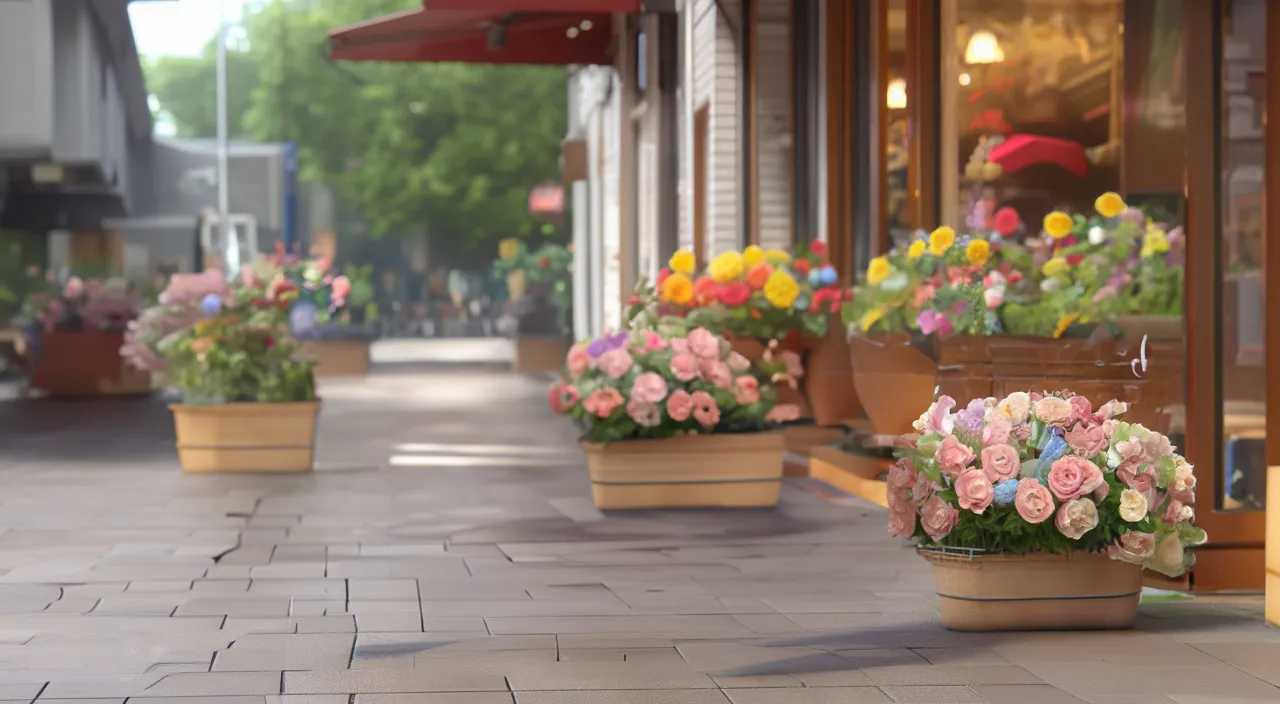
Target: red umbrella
x=1022, y=150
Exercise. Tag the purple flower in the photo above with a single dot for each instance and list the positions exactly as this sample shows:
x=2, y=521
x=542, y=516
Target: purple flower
x=597, y=347
x=972, y=417
x=931, y=322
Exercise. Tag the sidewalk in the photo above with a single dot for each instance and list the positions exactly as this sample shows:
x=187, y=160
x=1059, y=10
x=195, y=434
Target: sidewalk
x=446, y=551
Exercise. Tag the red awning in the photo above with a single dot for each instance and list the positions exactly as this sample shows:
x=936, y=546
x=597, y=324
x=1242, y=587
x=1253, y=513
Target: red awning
x=478, y=36
x=587, y=6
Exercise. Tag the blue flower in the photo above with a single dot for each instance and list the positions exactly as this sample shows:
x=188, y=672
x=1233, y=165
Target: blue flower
x=801, y=303
x=827, y=276
x=1056, y=448
x=211, y=305
x=1006, y=492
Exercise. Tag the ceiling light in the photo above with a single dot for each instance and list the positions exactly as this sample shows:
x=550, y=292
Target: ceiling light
x=965, y=79
x=896, y=96
x=571, y=32
x=586, y=25
x=983, y=48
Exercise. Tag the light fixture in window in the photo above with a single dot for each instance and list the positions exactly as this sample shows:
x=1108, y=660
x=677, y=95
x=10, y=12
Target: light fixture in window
x=983, y=48
x=587, y=25
x=965, y=79
x=896, y=96
x=571, y=32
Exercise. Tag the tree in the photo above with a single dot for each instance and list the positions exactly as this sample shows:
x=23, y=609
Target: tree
x=185, y=88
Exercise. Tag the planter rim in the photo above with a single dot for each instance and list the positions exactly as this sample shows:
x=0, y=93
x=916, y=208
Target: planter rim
x=245, y=405
x=945, y=557
x=596, y=446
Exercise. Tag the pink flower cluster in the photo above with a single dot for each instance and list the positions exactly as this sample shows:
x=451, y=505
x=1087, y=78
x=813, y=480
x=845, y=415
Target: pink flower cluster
x=651, y=386
x=1053, y=461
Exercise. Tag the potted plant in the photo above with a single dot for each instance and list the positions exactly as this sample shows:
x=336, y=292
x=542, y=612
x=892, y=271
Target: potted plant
x=319, y=314
x=248, y=392
x=671, y=422
x=540, y=284
x=74, y=330
x=1039, y=512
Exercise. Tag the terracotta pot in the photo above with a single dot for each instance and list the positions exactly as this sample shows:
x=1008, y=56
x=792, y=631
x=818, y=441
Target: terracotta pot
x=1100, y=372
x=540, y=353
x=903, y=380
x=828, y=380
x=87, y=364
x=754, y=350
x=339, y=358
x=1081, y=591
x=246, y=437
x=731, y=470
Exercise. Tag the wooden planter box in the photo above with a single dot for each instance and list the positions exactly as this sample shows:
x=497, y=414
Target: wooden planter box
x=896, y=380
x=77, y=364
x=339, y=358
x=732, y=470
x=540, y=353
x=246, y=437
x=1081, y=591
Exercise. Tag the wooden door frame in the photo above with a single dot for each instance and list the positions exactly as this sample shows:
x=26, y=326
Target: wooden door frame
x=1271, y=302
x=701, y=135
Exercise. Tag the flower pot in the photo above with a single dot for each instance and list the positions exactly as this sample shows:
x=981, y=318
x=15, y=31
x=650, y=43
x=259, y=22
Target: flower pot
x=754, y=350
x=828, y=379
x=246, y=437
x=86, y=364
x=903, y=379
x=730, y=470
x=1040, y=592
x=339, y=358
x=540, y=353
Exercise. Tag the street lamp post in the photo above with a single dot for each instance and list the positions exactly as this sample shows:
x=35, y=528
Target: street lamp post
x=226, y=237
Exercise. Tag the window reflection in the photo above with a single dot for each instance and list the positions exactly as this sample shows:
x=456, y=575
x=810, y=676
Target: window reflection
x=896, y=154
x=1240, y=188
x=1032, y=101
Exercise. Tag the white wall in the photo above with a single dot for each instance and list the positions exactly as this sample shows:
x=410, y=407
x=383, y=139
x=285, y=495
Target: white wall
x=26, y=78
x=773, y=121
x=716, y=83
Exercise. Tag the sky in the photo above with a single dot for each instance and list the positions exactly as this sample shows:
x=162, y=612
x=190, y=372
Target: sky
x=178, y=27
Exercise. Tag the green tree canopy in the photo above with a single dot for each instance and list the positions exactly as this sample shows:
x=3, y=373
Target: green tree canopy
x=454, y=148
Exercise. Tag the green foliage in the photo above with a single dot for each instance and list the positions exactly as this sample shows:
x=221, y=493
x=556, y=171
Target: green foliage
x=362, y=291
x=183, y=87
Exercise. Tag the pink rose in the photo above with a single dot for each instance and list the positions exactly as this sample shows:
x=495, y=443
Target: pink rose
x=938, y=517
x=938, y=418
x=738, y=363
x=1087, y=440
x=1081, y=409
x=923, y=491
x=746, y=390
x=974, y=491
x=1053, y=410
x=603, y=402
x=1130, y=449
x=1157, y=445
x=1022, y=433
x=994, y=297
x=1178, y=511
x=1077, y=517
x=1112, y=409
x=703, y=344
x=705, y=410
x=1133, y=547
x=791, y=360
x=644, y=414
x=340, y=287
x=73, y=288
x=569, y=396
x=1071, y=477
x=783, y=413
x=578, y=360
x=1033, y=501
x=649, y=388
x=902, y=516
x=902, y=476
x=716, y=372
x=679, y=405
x=679, y=344
x=1143, y=482
x=615, y=363
x=953, y=456
x=1000, y=462
x=684, y=366
x=998, y=430
x=654, y=342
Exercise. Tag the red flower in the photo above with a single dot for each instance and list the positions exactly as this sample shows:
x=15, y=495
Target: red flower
x=802, y=267
x=1070, y=241
x=544, y=262
x=271, y=342
x=1007, y=221
x=634, y=301
x=1074, y=259
x=735, y=293
x=662, y=276
x=555, y=399
x=706, y=291
x=818, y=247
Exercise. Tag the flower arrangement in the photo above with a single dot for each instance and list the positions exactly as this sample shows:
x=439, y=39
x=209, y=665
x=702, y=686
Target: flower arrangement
x=78, y=305
x=1045, y=473
x=643, y=385
x=549, y=269
x=755, y=293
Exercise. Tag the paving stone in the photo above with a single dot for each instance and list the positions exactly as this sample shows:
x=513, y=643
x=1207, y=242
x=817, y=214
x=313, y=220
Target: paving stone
x=1020, y=694
x=821, y=695
x=704, y=626
x=437, y=698
x=391, y=681
x=300, y=588
x=205, y=684
x=245, y=608
x=703, y=696
x=943, y=694
x=595, y=675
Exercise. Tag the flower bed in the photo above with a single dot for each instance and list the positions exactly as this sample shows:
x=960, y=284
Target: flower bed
x=1032, y=475
x=651, y=409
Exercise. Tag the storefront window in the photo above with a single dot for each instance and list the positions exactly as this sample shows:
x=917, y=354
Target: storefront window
x=1243, y=74
x=896, y=156
x=1031, y=101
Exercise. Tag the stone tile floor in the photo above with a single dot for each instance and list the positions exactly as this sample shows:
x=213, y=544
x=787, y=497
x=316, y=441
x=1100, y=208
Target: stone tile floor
x=446, y=552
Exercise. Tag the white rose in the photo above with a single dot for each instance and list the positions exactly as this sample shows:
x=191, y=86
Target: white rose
x=1133, y=505
x=1187, y=514
x=1183, y=478
x=1097, y=235
x=1169, y=556
x=1016, y=406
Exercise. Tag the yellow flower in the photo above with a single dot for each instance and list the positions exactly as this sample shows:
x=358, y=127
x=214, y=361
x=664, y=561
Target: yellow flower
x=977, y=252
x=916, y=250
x=1109, y=205
x=1054, y=266
x=1155, y=242
x=878, y=270
x=682, y=262
x=508, y=249
x=751, y=256
x=870, y=318
x=776, y=256
x=678, y=288
x=1065, y=322
x=781, y=290
x=726, y=267
x=1058, y=224
x=940, y=240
